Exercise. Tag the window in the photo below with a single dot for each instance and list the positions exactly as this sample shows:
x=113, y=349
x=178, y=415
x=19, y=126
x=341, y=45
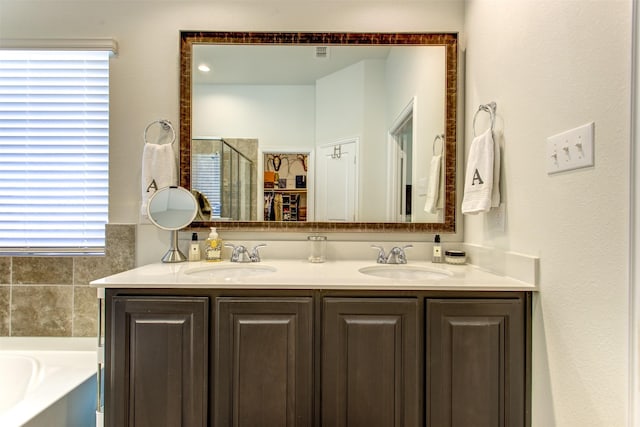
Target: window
x=207, y=180
x=54, y=150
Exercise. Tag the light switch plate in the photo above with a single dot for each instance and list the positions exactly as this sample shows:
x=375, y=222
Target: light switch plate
x=570, y=150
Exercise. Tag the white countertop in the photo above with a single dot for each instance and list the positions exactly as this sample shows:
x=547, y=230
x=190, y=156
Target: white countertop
x=299, y=274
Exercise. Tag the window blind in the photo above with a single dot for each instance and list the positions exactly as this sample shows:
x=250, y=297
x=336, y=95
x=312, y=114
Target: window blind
x=208, y=179
x=54, y=150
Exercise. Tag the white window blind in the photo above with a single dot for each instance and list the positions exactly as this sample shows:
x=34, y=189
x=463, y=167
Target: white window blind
x=208, y=180
x=54, y=150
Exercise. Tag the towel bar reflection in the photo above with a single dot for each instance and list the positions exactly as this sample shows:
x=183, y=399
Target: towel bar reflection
x=439, y=137
x=488, y=108
x=166, y=126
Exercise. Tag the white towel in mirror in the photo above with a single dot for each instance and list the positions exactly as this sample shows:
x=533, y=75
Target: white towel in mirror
x=431, y=205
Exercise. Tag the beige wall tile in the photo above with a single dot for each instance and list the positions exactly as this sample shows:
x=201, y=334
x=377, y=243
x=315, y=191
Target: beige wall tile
x=85, y=312
x=5, y=270
x=88, y=268
x=120, y=256
x=5, y=304
x=43, y=270
x=121, y=246
x=41, y=311
x=50, y=296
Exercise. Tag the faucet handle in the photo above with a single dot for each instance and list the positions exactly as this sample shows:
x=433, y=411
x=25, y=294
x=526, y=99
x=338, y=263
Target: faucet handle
x=382, y=258
x=255, y=254
x=234, y=252
x=402, y=256
x=238, y=253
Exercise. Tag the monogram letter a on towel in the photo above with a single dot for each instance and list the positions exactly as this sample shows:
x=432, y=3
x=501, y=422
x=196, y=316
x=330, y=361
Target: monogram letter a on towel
x=481, y=183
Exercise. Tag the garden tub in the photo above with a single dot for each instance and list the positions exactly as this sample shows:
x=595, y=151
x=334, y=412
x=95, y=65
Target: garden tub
x=47, y=382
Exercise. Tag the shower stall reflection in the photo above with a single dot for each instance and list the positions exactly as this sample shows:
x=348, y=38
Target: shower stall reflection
x=223, y=178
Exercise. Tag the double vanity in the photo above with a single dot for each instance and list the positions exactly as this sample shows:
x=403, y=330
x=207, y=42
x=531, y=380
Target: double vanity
x=341, y=343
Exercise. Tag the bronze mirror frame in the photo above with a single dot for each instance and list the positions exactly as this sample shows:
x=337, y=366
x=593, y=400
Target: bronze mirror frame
x=449, y=40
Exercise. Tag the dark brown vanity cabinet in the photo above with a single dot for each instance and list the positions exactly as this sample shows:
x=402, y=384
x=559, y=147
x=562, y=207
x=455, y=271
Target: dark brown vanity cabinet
x=476, y=362
x=371, y=362
x=210, y=357
x=157, y=358
x=263, y=358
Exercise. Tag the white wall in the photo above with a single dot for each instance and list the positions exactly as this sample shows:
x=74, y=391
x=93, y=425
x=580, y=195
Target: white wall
x=552, y=66
x=365, y=99
x=278, y=116
x=421, y=76
x=339, y=105
x=351, y=104
x=634, y=294
x=373, y=146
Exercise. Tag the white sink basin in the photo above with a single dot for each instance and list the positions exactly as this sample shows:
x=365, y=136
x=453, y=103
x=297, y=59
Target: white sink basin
x=230, y=271
x=405, y=272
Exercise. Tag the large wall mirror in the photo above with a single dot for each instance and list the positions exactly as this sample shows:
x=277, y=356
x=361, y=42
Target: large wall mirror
x=320, y=131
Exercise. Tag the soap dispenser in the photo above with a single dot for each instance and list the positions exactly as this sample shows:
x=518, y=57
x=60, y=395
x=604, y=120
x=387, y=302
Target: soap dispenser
x=194, y=248
x=213, y=251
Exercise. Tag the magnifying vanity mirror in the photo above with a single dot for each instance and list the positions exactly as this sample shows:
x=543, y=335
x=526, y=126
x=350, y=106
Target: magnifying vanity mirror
x=172, y=208
x=342, y=127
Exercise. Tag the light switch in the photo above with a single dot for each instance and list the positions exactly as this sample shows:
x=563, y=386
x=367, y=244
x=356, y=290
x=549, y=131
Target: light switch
x=572, y=149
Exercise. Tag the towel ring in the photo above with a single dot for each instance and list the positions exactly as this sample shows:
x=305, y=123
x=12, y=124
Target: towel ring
x=488, y=108
x=166, y=126
x=433, y=148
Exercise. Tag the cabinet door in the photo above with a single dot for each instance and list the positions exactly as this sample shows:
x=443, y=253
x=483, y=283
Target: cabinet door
x=157, y=362
x=371, y=365
x=263, y=362
x=475, y=363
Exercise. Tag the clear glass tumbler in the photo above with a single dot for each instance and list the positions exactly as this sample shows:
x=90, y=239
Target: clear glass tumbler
x=317, y=248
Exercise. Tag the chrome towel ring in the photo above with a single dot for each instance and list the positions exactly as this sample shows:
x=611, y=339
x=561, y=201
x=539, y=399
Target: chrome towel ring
x=166, y=126
x=488, y=108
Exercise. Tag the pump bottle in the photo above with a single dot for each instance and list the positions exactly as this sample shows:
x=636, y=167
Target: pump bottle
x=437, y=250
x=194, y=248
x=213, y=251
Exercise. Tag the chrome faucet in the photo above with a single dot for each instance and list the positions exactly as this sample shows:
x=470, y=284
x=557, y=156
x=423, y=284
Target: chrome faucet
x=396, y=255
x=239, y=253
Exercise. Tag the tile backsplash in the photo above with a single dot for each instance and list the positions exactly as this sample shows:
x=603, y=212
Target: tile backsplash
x=51, y=296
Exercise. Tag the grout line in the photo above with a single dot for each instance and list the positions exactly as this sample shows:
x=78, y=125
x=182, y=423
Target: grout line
x=73, y=295
x=10, y=295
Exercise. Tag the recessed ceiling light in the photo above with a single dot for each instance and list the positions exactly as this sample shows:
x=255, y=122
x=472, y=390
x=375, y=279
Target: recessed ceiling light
x=204, y=68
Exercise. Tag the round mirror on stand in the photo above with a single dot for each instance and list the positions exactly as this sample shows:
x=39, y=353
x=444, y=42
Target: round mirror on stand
x=172, y=208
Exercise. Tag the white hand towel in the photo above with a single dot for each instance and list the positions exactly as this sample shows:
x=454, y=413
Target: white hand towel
x=495, y=189
x=478, y=181
x=159, y=170
x=433, y=187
